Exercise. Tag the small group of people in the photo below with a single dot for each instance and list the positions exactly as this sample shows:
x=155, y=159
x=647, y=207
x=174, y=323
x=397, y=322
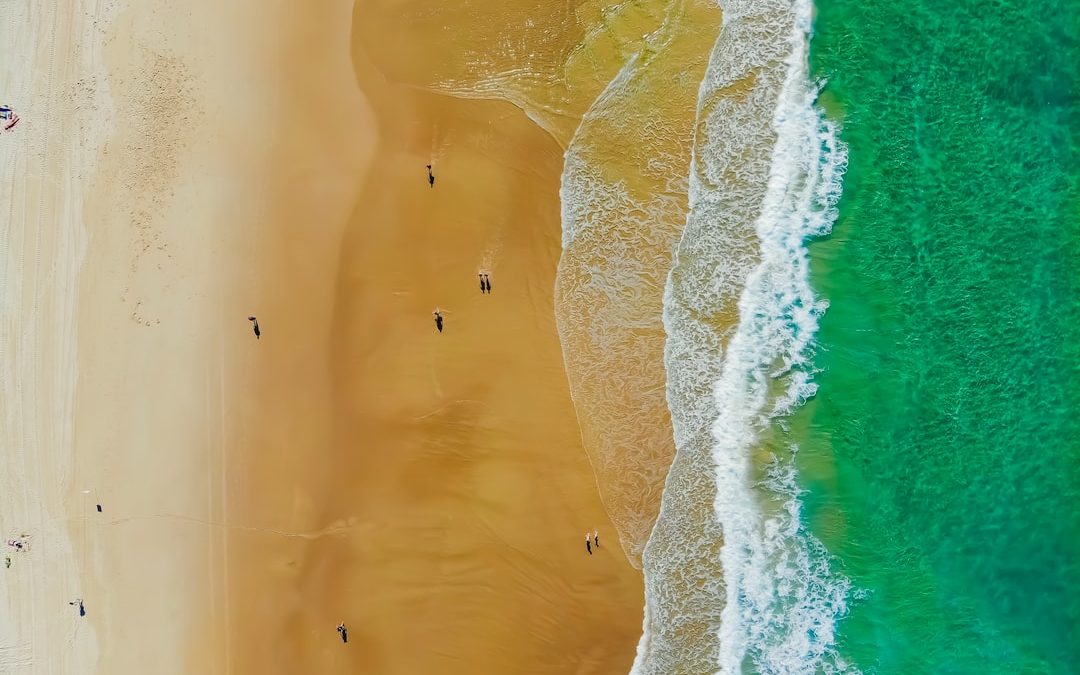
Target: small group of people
x=485, y=287
x=21, y=544
x=592, y=542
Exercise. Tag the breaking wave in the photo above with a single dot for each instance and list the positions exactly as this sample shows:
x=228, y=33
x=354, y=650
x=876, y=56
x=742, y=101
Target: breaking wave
x=741, y=319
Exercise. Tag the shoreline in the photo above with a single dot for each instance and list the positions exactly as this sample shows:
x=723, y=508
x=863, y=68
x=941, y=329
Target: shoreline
x=476, y=454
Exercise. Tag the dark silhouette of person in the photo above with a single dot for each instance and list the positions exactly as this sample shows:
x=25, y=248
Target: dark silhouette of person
x=483, y=287
x=99, y=508
x=438, y=320
x=344, y=632
x=588, y=546
x=430, y=176
x=487, y=283
x=255, y=326
x=79, y=602
x=596, y=539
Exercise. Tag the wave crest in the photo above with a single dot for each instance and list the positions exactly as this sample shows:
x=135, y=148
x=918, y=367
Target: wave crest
x=741, y=319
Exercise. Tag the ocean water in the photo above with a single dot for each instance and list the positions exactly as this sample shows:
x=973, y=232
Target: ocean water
x=873, y=334
x=851, y=232
x=941, y=455
x=734, y=580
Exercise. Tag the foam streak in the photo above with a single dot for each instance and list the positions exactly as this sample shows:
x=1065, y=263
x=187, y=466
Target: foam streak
x=781, y=601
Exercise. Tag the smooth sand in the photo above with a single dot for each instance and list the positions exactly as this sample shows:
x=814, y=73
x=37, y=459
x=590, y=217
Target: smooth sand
x=561, y=62
x=163, y=156
x=239, y=144
x=443, y=516
x=51, y=54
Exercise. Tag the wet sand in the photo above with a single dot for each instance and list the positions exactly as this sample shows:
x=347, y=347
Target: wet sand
x=444, y=513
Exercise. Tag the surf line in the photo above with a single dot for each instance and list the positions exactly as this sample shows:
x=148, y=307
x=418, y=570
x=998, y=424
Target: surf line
x=782, y=601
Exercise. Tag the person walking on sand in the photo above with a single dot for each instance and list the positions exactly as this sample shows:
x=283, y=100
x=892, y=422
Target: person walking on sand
x=430, y=176
x=596, y=538
x=343, y=631
x=255, y=326
x=78, y=602
x=588, y=543
x=483, y=288
x=438, y=319
x=487, y=282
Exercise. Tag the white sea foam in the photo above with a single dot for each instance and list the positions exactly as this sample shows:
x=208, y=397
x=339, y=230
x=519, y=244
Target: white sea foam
x=766, y=177
x=684, y=589
x=782, y=601
x=623, y=209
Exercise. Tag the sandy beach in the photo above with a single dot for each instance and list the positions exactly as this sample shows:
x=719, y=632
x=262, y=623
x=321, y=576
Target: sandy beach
x=214, y=201
x=448, y=508
x=52, y=55
x=261, y=414
x=188, y=167
x=157, y=166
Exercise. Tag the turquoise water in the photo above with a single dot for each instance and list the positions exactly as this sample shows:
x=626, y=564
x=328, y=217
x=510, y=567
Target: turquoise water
x=942, y=452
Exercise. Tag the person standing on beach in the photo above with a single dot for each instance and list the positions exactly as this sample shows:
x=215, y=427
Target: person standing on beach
x=596, y=538
x=430, y=176
x=78, y=602
x=438, y=320
x=486, y=282
x=343, y=631
x=255, y=326
x=588, y=543
x=483, y=288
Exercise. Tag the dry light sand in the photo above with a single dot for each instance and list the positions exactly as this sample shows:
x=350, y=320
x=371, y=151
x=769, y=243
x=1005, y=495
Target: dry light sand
x=50, y=53
x=182, y=165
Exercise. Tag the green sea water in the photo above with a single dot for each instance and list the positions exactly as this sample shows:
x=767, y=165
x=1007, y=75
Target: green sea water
x=941, y=455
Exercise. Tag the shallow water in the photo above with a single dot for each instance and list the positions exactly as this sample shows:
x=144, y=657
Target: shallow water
x=624, y=205
x=877, y=457
x=733, y=580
